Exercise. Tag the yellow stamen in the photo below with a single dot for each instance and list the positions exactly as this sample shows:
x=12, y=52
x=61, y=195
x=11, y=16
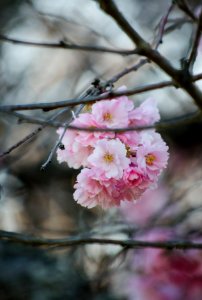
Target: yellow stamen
x=150, y=158
x=87, y=108
x=109, y=158
x=128, y=151
x=107, y=117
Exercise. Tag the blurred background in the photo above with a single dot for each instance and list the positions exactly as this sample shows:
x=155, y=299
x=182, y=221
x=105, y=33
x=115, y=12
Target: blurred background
x=40, y=202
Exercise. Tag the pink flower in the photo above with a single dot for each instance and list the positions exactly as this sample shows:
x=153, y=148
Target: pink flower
x=109, y=158
x=149, y=204
x=129, y=105
x=152, y=155
x=92, y=190
x=159, y=274
x=133, y=178
x=74, y=153
x=146, y=114
x=121, y=166
x=111, y=113
x=130, y=138
x=86, y=120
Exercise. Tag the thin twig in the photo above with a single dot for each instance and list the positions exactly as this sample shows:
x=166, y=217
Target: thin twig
x=174, y=121
x=30, y=136
x=64, y=45
x=126, y=71
x=162, y=25
x=107, y=95
x=21, y=142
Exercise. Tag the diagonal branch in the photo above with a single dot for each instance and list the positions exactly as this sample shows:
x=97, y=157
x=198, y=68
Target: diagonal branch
x=181, y=78
x=162, y=25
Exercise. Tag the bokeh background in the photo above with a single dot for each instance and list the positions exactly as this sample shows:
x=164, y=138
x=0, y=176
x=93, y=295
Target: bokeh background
x=40, y=202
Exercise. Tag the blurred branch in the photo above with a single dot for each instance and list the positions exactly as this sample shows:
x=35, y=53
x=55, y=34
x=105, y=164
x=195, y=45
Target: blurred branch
x=21, y=142
x=175, y=121
x=182, y=4
x=64, y=45
x=107, y=95
x=180, y=77
x=80, y=241
x=176, y=23
x=31, y=135
x=126, y=71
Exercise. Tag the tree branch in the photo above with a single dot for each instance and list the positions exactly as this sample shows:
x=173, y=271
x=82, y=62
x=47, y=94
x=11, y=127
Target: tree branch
x=181, y=78
x=80, y=241
x=90, y=99
x=174, y=121
x=185, y=8
x=64, y=45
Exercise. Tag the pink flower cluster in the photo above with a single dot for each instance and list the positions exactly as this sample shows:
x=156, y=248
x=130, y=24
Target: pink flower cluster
x=116, y=166
x=159, y=274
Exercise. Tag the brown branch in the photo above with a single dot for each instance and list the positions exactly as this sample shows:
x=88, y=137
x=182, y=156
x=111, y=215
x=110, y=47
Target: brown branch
x=64, y=45
x=81, y=241
x=31, y=135
x=181, y=78
x=171, y=122
x=90, y=99
x=126, y=71
x=87, y=100
x=185, y=8
x=23, y=141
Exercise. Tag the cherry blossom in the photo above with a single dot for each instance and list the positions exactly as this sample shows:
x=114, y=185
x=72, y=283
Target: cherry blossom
x=120, y=166
x=146, y=114
x=109, y=158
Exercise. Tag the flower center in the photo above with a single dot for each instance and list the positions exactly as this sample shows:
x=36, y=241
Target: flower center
x=150, y=158
x=128, y=151
x=109, y=158
x=107, y=117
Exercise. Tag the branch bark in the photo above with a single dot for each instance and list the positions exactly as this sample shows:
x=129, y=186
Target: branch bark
x=180, y=77
x=90, y=99
x=81, y=241
x=64, y=45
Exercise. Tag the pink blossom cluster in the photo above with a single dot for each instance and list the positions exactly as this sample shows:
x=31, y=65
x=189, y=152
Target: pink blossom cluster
x=159, y=274
x=116, y=166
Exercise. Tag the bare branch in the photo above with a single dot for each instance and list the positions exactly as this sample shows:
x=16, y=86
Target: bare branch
x=64, y=45
x=126, y=71
x=180, y=77
x=182, y=4
x=90, y=99
x=22, y=141
x=171, y=122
